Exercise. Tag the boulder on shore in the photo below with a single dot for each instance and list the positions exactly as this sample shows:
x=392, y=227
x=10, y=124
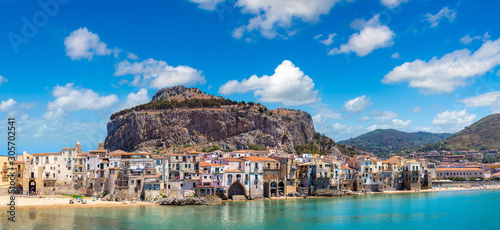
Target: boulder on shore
x=182, y=201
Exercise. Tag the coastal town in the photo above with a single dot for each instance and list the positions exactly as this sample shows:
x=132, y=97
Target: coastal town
x=235, y=174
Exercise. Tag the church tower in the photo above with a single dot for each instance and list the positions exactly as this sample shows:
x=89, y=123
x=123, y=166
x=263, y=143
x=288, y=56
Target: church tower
x=100, y=146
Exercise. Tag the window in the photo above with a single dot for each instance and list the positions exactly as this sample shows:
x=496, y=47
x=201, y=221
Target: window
x=194, y=185
x=55, y=158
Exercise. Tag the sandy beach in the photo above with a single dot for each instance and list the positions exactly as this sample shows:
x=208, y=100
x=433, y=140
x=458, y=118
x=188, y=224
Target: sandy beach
x=57, y=202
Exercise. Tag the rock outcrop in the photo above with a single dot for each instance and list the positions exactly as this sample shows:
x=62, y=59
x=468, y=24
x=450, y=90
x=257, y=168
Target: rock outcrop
x=182, y=201
x=238, y=126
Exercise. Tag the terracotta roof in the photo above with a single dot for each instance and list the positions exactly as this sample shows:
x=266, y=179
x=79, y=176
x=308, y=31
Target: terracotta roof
x=458, y=169
x=258, y=159
x=44, y=154
x=68, y=148
x=231, y=159
x=177, y=154
x=18, y=162
x=495, y=175
x=206, y=164
x=96, y=151
x=233, y=171
x=346, y=167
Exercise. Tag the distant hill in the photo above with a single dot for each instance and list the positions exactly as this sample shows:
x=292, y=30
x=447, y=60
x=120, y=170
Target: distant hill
x=484, y=134
x=383, y=141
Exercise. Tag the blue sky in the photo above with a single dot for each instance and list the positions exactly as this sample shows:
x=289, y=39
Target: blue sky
x=412, y=65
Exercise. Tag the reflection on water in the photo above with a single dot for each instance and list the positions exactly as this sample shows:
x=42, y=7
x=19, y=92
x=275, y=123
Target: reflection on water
x=458, y=210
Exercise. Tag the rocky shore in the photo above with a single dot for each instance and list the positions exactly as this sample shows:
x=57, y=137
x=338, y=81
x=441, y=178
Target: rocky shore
x=190, y=201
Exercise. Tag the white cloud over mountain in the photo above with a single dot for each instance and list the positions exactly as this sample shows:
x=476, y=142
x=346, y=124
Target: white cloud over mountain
x=158, y=74
x=454, y=120
x=372, y=35
x=445, y=74
x=288, y=85
x=390, y=124
x=491, y=99
x=138, y=98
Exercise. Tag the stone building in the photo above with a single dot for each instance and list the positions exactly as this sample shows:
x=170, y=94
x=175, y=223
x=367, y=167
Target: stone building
x=411, y=175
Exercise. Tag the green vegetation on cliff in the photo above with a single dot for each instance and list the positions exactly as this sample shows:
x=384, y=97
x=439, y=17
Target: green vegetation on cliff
x=188, y=103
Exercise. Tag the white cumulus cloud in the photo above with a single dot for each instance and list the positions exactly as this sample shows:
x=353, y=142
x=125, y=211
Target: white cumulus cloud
x=83, y=44
x=392, y=3
x=491, y=99
x=288, y=85
x=443, y=13
x=445, y=74
x=272, y=18
x=357, y=105
x=372, y=35
x=69, y=98
x=8, y=105
x=158, y=74
x=138, y=98
x=417, y=109
x=461, y=118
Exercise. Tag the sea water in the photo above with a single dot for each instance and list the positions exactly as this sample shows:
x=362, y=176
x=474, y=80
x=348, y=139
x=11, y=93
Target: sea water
x=428, y=210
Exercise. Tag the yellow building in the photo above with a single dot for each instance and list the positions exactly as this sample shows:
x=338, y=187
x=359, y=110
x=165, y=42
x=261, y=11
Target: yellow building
x=4, y=165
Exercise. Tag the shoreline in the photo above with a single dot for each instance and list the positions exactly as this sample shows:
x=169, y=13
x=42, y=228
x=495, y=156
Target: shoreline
x=60, y=202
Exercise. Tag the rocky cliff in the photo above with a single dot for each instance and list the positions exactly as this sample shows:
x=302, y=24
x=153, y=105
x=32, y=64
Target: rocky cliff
x=206, y=120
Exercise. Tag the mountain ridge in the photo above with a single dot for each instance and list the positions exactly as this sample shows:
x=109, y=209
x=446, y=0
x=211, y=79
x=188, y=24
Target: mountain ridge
x=384, y=141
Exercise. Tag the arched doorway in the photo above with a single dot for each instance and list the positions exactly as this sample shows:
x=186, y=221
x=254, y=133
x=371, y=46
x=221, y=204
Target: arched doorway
x=236, y=189
x=32, y=187
x=274, y=189
x=281, y=187
x=266, y=189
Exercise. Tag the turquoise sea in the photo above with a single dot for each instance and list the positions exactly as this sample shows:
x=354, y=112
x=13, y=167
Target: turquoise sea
x=433, y=210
